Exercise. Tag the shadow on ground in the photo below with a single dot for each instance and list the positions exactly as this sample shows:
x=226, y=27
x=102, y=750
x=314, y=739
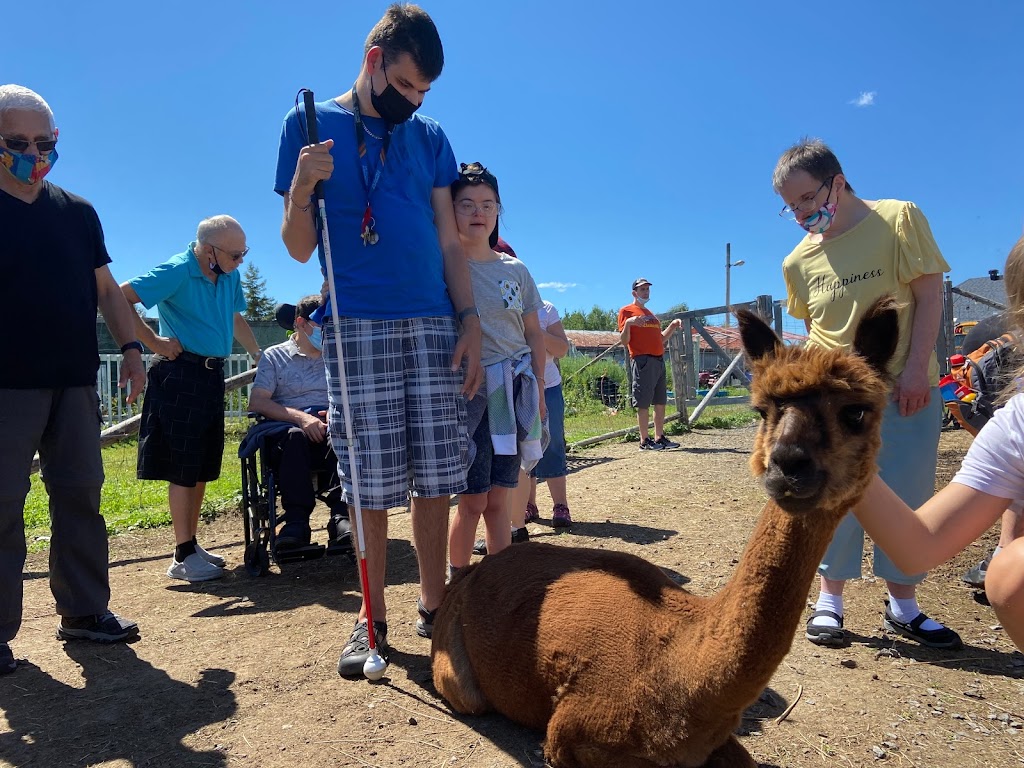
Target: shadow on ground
x=127, y=710
x=608, y=529
x=577, y=462
x=331, y=582
x=970, y=658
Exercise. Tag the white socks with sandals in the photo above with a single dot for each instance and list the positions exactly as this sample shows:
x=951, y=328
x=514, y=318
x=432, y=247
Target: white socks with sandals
x=902, y=610
x=907, y=610
x=827, y=602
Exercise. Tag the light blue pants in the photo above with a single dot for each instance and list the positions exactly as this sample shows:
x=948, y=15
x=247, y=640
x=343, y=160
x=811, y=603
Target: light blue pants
x=907, y=464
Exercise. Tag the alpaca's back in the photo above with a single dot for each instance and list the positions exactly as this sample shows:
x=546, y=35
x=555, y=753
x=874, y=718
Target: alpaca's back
x=537, y=619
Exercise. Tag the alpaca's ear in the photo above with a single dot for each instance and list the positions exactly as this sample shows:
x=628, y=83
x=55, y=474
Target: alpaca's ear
x=759, y=340
x=878, y=332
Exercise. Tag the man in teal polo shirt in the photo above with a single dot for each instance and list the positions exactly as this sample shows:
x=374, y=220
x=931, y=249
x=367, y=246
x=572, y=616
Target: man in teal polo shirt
x=181, y=440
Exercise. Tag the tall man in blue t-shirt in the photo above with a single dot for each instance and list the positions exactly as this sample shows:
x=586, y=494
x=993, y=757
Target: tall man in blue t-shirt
x=405, y=304
x=198, y=294
x=52, y=245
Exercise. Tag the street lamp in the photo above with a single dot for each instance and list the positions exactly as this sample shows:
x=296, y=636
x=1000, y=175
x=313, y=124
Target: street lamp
x=729, y=264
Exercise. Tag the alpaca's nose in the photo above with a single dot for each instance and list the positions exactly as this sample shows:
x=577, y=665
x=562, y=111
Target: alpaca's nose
x=792, y=473
x=792, y=460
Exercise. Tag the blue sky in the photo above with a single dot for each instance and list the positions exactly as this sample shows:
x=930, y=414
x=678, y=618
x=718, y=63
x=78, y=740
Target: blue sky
x=629, y=138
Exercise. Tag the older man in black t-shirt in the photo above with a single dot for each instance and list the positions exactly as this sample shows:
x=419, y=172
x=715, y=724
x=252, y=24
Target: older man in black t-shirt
x=52, y=246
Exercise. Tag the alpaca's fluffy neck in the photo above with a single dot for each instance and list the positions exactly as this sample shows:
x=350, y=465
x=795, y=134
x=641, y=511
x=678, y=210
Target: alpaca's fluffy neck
x=754, y=616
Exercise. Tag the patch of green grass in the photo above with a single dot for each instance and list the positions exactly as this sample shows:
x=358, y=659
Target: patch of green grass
x=129, y=504
x=586, y=417
x=726, y=417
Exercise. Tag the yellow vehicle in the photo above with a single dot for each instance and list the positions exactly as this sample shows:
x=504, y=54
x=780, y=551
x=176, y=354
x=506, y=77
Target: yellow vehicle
x=960, y=330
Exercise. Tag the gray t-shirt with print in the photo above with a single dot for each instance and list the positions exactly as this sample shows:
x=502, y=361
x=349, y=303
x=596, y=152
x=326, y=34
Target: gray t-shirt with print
x=504, y=291
x=293, y=379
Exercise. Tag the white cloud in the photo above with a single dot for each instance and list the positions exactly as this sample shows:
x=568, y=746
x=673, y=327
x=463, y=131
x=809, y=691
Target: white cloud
x=866, y=99
x=560, y=287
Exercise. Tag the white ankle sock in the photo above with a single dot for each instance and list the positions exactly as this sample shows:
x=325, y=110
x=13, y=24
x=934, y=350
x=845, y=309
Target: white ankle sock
x=907, y=610
x=995, y=552
x=827, y=602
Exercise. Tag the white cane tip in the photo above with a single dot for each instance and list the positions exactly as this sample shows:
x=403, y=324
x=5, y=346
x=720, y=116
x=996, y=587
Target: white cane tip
x=374, y=667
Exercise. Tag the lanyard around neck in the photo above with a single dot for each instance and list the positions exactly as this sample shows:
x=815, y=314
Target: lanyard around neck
x=368, y=186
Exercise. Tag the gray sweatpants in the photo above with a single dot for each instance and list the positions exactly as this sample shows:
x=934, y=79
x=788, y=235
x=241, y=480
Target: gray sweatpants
x=63, y=425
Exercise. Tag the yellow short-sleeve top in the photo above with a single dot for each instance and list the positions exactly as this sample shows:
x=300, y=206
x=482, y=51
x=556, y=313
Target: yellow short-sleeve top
x=833, y=282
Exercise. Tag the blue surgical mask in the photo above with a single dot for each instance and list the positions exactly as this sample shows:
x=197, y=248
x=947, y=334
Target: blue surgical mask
x=316, y=338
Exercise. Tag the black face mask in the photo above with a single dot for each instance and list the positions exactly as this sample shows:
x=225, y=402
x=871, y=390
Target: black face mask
x=215, y=266
x=391, y=104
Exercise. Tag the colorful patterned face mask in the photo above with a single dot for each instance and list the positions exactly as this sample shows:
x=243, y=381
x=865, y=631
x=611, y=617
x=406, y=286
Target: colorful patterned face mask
x=821, y=220
x=28, y=169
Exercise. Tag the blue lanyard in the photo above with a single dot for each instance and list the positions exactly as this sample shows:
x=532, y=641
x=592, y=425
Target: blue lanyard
x=368, y=187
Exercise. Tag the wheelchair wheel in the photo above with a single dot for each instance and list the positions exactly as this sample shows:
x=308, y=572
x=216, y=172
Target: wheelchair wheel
x=257, y=559
x=256, y=512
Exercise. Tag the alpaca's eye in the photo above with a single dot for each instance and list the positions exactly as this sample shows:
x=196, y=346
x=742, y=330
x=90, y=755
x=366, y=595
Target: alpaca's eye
x=761, y=412
x=853, y=416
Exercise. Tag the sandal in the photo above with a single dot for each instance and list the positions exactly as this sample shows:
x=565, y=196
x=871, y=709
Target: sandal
x=822, y=635
x=357, y=649
x=943, y=637
x=425, y=623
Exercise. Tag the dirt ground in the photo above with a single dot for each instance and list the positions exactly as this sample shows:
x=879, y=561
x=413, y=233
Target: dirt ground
x=241, y=672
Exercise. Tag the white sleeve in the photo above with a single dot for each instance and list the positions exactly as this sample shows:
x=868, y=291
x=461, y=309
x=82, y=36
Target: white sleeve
x=994, y=463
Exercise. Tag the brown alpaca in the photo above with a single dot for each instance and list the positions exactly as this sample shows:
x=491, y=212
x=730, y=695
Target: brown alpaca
x=624, y=668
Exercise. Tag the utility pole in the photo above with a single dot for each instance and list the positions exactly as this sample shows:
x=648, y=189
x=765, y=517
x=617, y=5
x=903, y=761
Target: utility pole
x=729, y=264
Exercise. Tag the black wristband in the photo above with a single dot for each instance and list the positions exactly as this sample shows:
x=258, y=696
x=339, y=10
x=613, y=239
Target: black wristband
x=133, y=345
x=467, y=312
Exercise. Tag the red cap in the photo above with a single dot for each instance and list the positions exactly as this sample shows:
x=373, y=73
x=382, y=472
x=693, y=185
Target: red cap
x=957, y=360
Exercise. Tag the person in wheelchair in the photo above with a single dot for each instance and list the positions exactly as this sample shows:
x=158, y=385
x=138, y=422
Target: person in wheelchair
x=290, y=392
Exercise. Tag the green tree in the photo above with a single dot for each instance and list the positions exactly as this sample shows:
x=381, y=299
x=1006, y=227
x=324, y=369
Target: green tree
x=678, y=309
x=574, y=320
x=597, y=319
x=602, y=319
x=258, y=306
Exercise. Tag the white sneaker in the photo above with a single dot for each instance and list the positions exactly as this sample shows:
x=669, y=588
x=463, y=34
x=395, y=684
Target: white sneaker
x=211, y=558
x=194, y=568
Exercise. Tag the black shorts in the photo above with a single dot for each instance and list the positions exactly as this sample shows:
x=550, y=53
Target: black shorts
x=181, y=438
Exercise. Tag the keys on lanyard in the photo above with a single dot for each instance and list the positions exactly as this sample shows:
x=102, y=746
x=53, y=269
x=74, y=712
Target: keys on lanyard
x=368, y=233
x=367, y=229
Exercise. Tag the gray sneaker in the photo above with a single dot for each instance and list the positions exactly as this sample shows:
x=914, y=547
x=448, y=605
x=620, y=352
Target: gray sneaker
x=650, y=445
x=976, y=575
x=194, y=568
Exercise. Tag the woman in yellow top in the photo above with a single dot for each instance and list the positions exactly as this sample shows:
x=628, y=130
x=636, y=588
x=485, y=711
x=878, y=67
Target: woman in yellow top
x=854, y=251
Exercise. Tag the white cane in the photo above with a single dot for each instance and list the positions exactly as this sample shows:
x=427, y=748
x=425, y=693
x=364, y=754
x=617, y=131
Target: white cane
x=374, y=667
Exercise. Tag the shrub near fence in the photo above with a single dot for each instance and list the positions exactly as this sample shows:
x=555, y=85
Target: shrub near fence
x=605, y=383
x=582, y=389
